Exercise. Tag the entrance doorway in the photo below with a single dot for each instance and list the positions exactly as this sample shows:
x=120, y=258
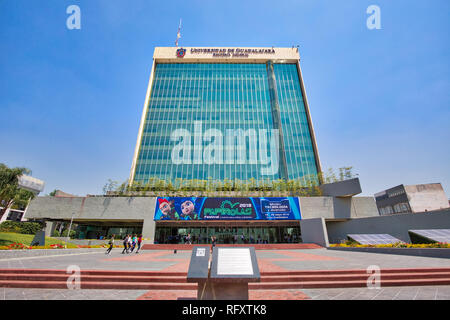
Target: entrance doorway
x=229, y=234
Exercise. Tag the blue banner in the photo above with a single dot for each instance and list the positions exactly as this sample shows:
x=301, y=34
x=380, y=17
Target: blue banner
x=205, y=208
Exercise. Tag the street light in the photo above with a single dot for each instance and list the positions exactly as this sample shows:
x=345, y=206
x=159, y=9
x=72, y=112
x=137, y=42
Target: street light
x=70, y=225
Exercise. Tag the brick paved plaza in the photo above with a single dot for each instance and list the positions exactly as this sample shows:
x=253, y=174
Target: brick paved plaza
x=268, y=261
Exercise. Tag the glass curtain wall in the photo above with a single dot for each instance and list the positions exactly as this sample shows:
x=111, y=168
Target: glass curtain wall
x=299, y=151
x=229, y=235
x=194, y=98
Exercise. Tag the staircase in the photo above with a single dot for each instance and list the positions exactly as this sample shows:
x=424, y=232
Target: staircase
x=268, y=246
x=156, y=280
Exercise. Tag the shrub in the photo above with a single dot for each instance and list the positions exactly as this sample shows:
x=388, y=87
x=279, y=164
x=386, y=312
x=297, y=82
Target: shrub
x=72, y=233
x=393, y=245
x=56, y=234
x=351, y=242
x=21, y=227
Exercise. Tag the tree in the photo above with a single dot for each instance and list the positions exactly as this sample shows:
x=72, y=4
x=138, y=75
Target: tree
x=110, y=186
x=53, y=193
x=10, y=192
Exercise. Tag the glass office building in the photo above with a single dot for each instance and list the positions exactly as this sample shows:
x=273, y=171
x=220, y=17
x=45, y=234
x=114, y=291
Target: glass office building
x=225, y=113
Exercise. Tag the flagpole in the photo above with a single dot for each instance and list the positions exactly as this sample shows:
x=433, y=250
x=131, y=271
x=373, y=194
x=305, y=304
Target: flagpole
x=178, y=34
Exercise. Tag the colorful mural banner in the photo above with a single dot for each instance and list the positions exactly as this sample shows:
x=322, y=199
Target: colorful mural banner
x=205, y=208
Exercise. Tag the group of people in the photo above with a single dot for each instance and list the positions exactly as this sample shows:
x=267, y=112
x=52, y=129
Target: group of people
x=129, y=244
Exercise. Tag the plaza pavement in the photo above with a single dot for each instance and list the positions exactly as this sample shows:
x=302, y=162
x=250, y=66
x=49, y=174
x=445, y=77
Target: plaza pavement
x=268, y=260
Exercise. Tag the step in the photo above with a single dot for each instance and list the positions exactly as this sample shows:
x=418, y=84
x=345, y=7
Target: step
x=352, y=271
x=90, y=278
x=347, y=284
x=267, y=273
x=183, y=279
x=270, y=246
x=95, y=272
x=351, y=277
x=193, y=286
x=98, y=285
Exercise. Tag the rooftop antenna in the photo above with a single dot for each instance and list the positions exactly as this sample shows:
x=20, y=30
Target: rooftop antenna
x=178, y=34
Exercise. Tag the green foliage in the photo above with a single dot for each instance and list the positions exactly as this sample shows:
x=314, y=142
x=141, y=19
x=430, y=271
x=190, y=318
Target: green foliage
x=9, y=238
x=331, y=176
x=307, y=186
x=351, y=243
x=22, y=198
x=53, y=193
x=72, y=233
x=21, y=227
x=111, y=185
x=56, y=234
x=10, y=193
x=10, y=176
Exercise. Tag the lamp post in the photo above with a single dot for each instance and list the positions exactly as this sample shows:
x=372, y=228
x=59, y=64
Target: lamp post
x=70, y=225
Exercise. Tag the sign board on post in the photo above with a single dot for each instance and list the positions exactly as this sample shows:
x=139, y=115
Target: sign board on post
x=231, y=271
x=199, y=265
x=229, y=264
x=234, y=262
x=199, y=270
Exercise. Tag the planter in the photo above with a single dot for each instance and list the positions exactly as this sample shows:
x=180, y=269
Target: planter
x=418, y=252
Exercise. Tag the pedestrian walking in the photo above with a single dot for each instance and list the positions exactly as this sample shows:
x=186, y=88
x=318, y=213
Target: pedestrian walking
x=125, y=244
x=111, y=244
x=139, y=241
x=213, y=241
x=133, y=243
x=130, y=243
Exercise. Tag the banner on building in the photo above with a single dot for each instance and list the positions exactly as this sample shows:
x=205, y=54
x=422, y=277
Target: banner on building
x=205, y=208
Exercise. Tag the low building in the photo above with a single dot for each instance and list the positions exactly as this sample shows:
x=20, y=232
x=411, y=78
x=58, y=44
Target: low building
x=411, y=199
x=320, y=219
x=265, y=219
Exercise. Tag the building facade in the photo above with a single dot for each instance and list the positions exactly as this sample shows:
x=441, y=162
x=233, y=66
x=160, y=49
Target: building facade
x=411, y=199
x=232, y=113
x=225, y=113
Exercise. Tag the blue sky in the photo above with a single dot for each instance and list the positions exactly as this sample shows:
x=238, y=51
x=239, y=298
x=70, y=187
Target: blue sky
x=71, y=100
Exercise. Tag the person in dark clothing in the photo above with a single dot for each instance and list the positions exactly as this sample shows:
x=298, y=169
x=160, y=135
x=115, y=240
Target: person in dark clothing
x=111, y=244
x=139, y=241
x=133, y=243
x=213, y=241
x=125, y=244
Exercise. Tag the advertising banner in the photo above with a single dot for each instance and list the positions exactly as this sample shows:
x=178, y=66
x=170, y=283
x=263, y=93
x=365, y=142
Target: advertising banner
x=205, y=208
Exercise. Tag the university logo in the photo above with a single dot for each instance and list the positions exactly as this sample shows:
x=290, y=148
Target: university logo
x=181, y=52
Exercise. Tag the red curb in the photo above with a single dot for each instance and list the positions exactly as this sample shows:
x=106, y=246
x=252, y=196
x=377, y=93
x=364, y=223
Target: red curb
x=95, y=272
x=253, y=295
x=273, y=246
x=89, y=278
x=348, y=284
x=98, y=285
